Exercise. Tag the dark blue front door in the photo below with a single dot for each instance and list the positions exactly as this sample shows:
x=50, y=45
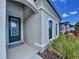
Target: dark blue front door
x=14, y=29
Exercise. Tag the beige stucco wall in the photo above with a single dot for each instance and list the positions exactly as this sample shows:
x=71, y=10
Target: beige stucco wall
x=3, y=29
x=46, y=6
x=34, y=25
x=44, y=21
x=32, y=30
x=36, y=30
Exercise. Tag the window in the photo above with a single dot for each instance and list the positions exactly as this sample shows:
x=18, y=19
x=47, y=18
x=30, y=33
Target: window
x=56, y=29
x=50, y=29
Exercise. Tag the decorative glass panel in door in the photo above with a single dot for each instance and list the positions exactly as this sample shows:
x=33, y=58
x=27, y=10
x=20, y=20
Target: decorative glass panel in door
x=14, y=29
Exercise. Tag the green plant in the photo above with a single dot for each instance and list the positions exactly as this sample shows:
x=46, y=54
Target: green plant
x=68, y=47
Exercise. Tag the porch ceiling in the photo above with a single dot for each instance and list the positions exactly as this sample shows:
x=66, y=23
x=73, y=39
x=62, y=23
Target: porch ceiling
x=27, y=3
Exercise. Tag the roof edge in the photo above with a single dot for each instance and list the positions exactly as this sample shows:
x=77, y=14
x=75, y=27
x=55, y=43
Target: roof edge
x=54, y=8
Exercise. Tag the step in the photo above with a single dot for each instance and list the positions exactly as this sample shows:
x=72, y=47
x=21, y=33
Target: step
x=36, y=56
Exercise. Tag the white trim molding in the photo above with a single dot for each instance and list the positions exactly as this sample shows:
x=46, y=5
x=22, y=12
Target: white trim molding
x=41, y=46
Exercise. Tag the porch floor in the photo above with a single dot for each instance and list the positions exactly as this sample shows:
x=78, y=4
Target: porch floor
x=21, y=52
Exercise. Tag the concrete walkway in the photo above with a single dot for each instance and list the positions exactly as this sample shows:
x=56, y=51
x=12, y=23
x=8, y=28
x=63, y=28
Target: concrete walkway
x=23, y=52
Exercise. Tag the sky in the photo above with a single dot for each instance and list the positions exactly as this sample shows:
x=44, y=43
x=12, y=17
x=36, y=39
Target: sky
x=68, y=10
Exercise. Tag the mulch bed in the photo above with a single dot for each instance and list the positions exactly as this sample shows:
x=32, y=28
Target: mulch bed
x=76, y=33
x=48, y=55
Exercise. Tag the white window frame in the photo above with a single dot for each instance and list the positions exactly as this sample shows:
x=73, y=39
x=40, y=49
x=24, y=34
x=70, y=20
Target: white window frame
x=48, y=29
